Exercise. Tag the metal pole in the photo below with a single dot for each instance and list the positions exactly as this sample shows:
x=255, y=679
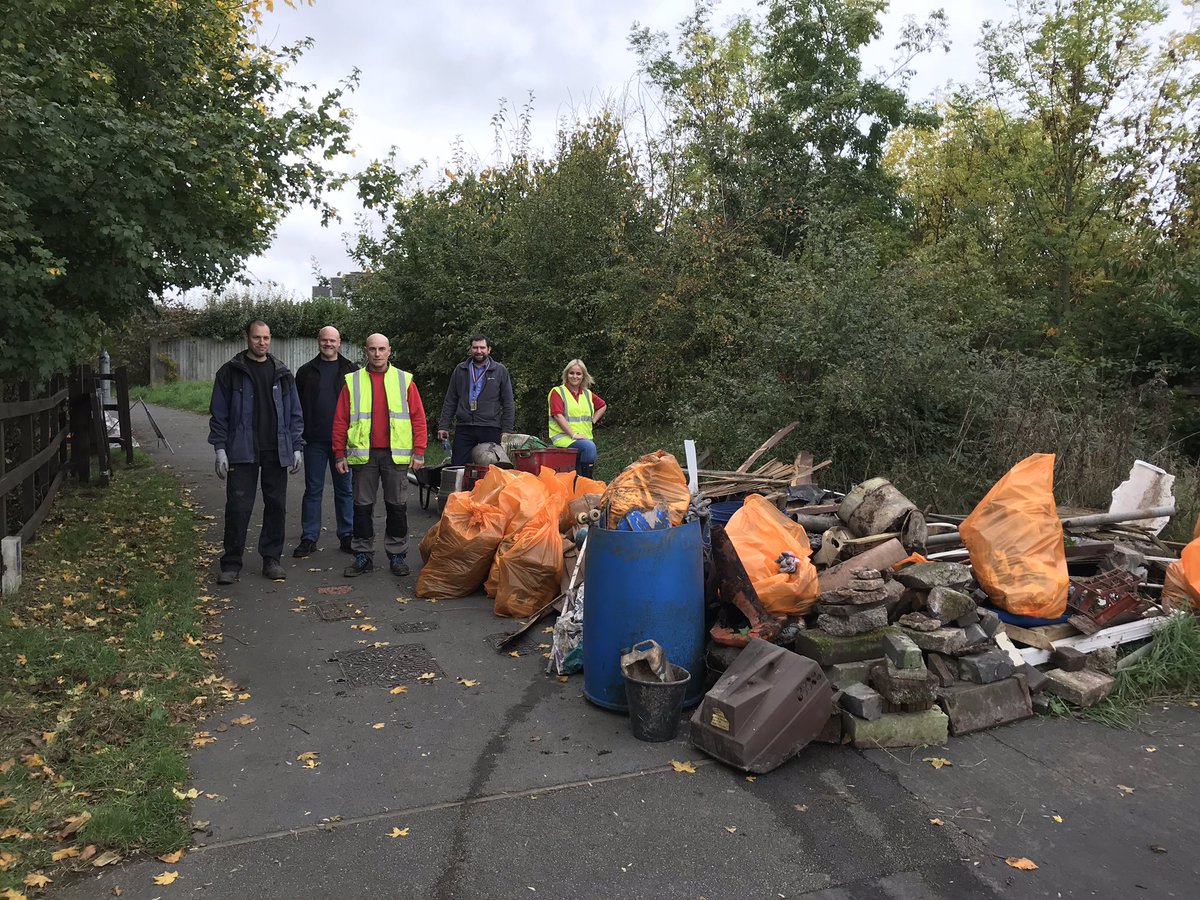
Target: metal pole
x=105, y=383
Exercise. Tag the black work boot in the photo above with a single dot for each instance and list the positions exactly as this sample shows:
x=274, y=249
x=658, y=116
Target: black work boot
x=363, y=565
x=273, y=570
x=398, y=565
x=304, y=548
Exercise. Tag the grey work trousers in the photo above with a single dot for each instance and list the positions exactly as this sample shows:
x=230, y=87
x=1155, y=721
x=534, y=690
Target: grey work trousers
x=380, y=467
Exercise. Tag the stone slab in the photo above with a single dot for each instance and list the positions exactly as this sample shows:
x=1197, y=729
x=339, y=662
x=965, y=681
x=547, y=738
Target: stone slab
x=948, y=604
x=1035, y=678
x=944, y=668
x=928, y=575
x=897, y=729
x=1083, y=688
x=944, y=640
x=988, y=620
x=846, y=610
x=862, y=701
x=841, y=675
x=974, y=707
x=904, y=687
x=828, y=649
x=901, y=650
x=1068, y=659
x=869, y=618
x=985, y=668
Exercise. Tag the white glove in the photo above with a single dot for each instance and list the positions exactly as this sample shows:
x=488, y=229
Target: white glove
x=297, y=458
x=222, y=464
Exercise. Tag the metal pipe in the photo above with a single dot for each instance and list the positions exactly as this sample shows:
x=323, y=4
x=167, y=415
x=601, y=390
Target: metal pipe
x=1112, y=518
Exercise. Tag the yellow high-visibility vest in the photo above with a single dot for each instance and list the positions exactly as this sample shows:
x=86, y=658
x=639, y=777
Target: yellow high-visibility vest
x=578, y=412
x=400, y=435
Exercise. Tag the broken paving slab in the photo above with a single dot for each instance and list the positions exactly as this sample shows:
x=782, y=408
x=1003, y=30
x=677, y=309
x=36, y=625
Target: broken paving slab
x=901, y=650
x=841, y=675
x=870, y=618
x=928, y=575
x=863, y=701
x=947, y=604
x=828, y=649
x=985, y=668
x=919, y=729
x=975, y=707
x=1083, y=688
x=945, y=640
x=903, y=687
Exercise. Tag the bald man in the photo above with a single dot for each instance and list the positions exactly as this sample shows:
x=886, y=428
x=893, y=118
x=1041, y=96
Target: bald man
x=379, y=430
x=319, y=382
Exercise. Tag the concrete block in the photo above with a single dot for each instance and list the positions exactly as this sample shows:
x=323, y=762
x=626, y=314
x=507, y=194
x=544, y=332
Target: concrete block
x=1068, y=659
x=862, y=701
x=928, y=575
x=984, y=668
x=828, y=649
x=1103, y=659
x=947, y=604
x=10, y=553
x=988, y=620
x=1083, y=688
x=974, y=634
x=866, y=618
x=944, y=640
x=1035, y=678
x=971, y=618
x=974, y=707
x=903, y=652
x=841, y=675
x=904, y=686
x=897, y=729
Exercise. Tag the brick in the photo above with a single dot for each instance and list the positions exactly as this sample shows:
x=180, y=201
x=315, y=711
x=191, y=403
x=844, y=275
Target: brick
x=841, y=675
x=868, y=619
x=1083, y=688
x=903, y=652
x=903, y=686
x=944, y=640
x=974, y=707
x=947, y=604
x=1068, y=659
x=944, y=668
x=862, y=701
x=828, y=649
x=897, y=729
x=1035, y=678
x=984, y=668
x=974, y=634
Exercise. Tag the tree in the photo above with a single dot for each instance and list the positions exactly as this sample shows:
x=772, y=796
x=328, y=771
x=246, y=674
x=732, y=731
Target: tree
x=145, y=146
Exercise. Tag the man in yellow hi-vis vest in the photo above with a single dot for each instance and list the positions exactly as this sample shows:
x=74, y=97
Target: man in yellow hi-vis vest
x=379, y=430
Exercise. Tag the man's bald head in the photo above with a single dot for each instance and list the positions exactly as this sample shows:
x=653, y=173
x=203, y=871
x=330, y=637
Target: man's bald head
x=330, y=342
x=378, y=349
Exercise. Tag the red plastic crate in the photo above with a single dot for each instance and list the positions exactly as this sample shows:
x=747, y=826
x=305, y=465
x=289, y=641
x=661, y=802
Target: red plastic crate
x=471, y=474
x=560, y=459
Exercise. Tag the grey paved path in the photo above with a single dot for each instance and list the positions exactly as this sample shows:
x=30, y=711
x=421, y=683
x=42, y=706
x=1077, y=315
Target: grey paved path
x=518, y=787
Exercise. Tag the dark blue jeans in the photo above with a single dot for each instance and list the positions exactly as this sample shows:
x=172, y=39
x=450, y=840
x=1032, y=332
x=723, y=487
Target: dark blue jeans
x=241, y=484
x=318, y=456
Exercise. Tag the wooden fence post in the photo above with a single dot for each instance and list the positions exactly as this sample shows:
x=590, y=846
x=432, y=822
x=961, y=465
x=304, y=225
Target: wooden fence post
x=121, y=377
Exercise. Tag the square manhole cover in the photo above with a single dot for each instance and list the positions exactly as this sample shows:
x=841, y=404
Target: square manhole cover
x=415, y=627
x=387, y=665
x=337, y=610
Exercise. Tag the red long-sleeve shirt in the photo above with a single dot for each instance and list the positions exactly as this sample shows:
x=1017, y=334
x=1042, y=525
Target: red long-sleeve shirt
x=380, y=431
x=558, y=409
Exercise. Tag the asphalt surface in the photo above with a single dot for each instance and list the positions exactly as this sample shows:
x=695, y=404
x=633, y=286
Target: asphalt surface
x=518, y=787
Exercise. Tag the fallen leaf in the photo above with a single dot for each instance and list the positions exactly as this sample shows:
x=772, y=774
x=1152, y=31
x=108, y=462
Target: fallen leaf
x=1057, y=819
x=244, y=720
x=731, y=828
x=377, y=725
x=107, y=858
x=936, y=822
x=1124, y=789
x=311, y=764
x=549, y=629
x=1158, y=848
x=937, y=761
x=399, y=689
x=73, y=824
x=200, y=824
x=1151, y=749
x=683, y=767
x=243, y=696
x=21, y=660
x=800, y=807
x=202, y=739
x=1021, y=862
x=36, y=880
x=398, y=832
x=752, y=778
x=87, y=852
x=7, y=860
x=427, y=676
x=6, y=801
x=171, y=858
x=307, y=755
x=166, y=878
x=467, y=682
x=64, y=853
x=117, y=890
x=189, y=794
x=516, y=654
x=12, y=894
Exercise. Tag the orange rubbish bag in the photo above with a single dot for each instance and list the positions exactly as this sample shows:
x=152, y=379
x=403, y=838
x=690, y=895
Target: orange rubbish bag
x=655, y=478
x=1181, y=587
x=1016, y=541
x=519, y=499
x=488, y=488
x=467, y=538
x=425, y=548
x=760, y=533
x=529, y=572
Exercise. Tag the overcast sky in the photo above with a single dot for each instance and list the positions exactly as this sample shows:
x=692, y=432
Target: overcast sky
x=433, y=73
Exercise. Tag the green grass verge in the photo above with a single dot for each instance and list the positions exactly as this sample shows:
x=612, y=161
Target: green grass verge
x=103, y=671
x=191, y=396
x=1169, y=672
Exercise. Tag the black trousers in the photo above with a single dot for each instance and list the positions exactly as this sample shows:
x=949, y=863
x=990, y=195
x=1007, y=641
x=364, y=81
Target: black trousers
x=240, y=487
x=465, y=439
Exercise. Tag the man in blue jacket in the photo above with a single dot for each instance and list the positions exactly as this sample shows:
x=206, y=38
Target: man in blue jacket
x=257, y=429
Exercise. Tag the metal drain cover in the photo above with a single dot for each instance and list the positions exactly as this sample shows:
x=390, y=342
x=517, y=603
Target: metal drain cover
x=415, y=627
x=337, y=610
x=525, y=644
x=387, y=665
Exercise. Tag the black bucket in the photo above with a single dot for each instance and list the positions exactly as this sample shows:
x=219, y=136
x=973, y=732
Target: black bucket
x=654, y=706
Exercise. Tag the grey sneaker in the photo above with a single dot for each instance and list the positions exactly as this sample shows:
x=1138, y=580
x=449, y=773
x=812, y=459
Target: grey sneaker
x=227, y=578
x=363, y=564
x=273, y=570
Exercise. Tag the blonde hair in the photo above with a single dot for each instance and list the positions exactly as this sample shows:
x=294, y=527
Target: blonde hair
x=587, y=379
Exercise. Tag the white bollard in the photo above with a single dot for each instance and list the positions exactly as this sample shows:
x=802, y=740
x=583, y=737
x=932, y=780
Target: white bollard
x=10, y=551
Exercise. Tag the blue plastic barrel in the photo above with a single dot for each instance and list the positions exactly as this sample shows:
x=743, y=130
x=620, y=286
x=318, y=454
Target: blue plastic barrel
x=642, y=585
x=722, y=512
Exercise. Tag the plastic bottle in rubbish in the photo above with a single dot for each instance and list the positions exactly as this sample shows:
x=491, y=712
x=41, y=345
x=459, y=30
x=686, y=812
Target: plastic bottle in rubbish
x=446, y=446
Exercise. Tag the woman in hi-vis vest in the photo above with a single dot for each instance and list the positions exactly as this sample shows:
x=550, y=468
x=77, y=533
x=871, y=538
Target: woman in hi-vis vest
x=574, y=409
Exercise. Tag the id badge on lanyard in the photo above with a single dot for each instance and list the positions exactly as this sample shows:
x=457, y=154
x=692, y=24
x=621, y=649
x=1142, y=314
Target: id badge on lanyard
x=478, y=380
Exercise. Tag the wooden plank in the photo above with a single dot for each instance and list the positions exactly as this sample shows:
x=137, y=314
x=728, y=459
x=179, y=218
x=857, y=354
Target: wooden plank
x=1109, y=637
x=13, y=478
x=1027, y=636
x=19, y=408
x=123, y=419
x=768, y=444
x=29, y=529
x=28, y=485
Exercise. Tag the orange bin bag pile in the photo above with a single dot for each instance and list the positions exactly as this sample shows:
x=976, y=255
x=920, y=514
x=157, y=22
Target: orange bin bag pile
x=462, y=551
x=520, y=499
x=760, y=533
x=1016, y=541
x=655, y=478
x=426, y=546
x=529, y=572
x=488, y=488
x=1181, y=587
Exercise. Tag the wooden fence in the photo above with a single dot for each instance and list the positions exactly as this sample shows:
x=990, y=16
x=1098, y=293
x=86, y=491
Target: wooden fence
x=197, y=359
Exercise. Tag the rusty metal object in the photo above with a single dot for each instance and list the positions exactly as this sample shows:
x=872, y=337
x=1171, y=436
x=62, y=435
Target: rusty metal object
x=875, y=507
x=1107, y=599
